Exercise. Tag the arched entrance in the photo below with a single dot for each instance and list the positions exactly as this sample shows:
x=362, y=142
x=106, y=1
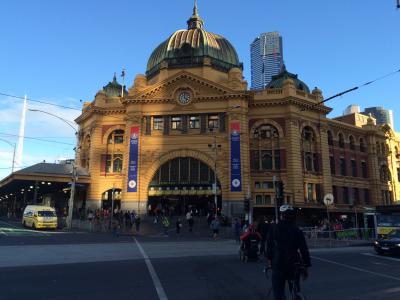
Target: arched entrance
x=107, y=199
x=182, y=184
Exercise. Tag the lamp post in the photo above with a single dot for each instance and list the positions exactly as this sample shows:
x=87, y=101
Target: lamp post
x=13, y=159
x=215, y=147
x=73, y=173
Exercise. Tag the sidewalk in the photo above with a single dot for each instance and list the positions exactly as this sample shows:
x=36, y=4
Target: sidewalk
x=148, y=228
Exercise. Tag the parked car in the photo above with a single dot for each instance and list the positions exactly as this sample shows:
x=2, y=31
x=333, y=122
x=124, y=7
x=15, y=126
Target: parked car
x=38, y=216
x=390, y=244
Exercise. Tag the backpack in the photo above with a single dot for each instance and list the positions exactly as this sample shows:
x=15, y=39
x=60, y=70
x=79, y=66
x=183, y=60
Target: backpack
x=282, y=256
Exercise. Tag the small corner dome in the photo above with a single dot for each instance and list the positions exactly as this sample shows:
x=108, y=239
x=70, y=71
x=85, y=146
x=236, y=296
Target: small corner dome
x=189, y=47
x=278, y=80
x=114, y=89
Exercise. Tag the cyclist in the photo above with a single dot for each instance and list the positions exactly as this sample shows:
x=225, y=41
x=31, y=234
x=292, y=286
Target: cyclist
x=286, y=247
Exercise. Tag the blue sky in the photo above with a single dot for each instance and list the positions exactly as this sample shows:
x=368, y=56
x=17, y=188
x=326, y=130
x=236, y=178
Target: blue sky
x=63, y=51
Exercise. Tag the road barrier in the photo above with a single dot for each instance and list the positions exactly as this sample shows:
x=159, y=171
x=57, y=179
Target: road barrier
x=338, y=238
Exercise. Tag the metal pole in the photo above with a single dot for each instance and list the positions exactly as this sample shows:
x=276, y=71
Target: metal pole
x=13, y=161
x=112, y=207
x=71, y=197
x=35, y=193
x=215, y=176
x=275, y=200
x=14, y=145
x=355, y=212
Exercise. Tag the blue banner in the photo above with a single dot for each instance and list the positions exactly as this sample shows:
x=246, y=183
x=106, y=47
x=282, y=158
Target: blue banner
x=236, y=170
x=133, y=159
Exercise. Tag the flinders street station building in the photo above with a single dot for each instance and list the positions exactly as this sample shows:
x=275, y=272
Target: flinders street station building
x=190, y=128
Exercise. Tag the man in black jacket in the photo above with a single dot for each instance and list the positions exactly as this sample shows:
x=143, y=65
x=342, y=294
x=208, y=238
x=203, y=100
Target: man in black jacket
x=286, y=246
x=263, y=229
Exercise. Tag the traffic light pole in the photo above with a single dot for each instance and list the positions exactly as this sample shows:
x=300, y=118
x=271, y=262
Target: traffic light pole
x=275, y=200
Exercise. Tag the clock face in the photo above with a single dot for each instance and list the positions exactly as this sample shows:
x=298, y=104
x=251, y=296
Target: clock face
x=184, y=97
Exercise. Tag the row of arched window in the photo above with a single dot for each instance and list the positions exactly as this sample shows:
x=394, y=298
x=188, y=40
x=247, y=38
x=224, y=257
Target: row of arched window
x=341, y=141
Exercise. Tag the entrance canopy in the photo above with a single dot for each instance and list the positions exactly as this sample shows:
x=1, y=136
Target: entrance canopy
x=36, y=183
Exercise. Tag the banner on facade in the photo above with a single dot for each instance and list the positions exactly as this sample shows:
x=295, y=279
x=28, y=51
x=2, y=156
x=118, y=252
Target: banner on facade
x=133, y=159
x=236, y=170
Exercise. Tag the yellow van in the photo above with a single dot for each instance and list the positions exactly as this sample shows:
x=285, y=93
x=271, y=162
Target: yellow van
x=38, y=216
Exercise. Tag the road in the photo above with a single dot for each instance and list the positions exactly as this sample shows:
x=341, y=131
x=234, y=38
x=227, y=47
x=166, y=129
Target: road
x=164, y=268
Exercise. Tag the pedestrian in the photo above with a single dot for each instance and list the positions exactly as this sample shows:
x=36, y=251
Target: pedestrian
x=262, y=229
x=165, y=224
x=215, y=227
x=137, y=223
x=286, y=248
x=236, y=230
x=116, y=227
x=178, y=226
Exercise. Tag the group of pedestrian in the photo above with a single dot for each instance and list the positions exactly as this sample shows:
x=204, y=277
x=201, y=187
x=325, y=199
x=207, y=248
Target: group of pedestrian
x=284, y=247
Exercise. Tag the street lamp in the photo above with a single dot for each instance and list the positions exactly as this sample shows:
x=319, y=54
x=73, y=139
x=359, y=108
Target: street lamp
x=215, y=147
x=14, y=146
x=73, y=174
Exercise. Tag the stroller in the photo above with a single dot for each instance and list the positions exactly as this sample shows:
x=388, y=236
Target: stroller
x=250, y=248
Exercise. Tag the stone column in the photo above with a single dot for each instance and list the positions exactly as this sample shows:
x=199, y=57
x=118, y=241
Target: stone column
x=294, y=164
x=326, y=167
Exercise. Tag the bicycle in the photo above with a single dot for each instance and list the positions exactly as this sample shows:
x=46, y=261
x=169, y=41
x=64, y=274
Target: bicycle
x=293, y=283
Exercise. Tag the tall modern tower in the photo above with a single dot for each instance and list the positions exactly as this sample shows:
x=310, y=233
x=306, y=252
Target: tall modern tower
x=266, y=54
x=382, y=116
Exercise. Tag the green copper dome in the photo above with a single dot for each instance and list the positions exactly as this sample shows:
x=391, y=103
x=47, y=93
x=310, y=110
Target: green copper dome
x=114, y=89
x=277, y=81
x=191, y=47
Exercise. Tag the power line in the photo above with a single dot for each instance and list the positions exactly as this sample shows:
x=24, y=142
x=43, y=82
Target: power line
x=49, y=103
x=35, y=138
x=40, y=101
x=357, y=87
x=354, y=88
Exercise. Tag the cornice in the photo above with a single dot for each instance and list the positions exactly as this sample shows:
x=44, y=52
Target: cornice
x=304, y=104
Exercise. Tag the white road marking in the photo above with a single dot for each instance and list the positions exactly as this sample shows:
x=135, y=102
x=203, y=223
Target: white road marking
x=153, y=274
x=356, y=268
x=383, y=257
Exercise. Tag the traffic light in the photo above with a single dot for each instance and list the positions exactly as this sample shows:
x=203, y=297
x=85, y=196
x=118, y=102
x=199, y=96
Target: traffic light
x=279, y=190
x=246, y=205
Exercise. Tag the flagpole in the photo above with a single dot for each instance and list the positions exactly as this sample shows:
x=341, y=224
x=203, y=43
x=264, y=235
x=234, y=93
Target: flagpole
x=123, y=82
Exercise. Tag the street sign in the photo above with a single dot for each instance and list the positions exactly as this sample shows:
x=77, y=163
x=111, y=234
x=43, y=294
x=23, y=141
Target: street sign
x=328, y=199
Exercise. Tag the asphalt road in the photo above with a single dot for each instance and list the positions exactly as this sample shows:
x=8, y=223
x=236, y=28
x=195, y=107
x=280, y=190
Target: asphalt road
x=162, y=268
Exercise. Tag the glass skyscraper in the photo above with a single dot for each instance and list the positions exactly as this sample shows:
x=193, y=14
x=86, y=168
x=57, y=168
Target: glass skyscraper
x=266, y=54
x=382, y=116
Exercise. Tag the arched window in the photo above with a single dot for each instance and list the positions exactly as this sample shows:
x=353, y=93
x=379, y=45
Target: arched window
x=116, y=137
x=87, y=142
x=113, y=163
x=308, y=134
x=330, y=138
x=111, y=199
x=265, y=148
x=266, y=131
x=341, y=140
x=385, y=174
x=378, y=148
x=362, y=145
x=352, y=142
x=310, y=153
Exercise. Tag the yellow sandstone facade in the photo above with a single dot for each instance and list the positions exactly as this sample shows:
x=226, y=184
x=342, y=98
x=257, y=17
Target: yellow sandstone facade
x=187, y=109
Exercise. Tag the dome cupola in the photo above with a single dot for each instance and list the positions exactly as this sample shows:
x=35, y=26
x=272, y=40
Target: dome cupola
x=193, y=47
x=278, y=80
x=114, y=89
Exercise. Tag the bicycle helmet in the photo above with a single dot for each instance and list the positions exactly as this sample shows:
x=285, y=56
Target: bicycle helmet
x=287, y=211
